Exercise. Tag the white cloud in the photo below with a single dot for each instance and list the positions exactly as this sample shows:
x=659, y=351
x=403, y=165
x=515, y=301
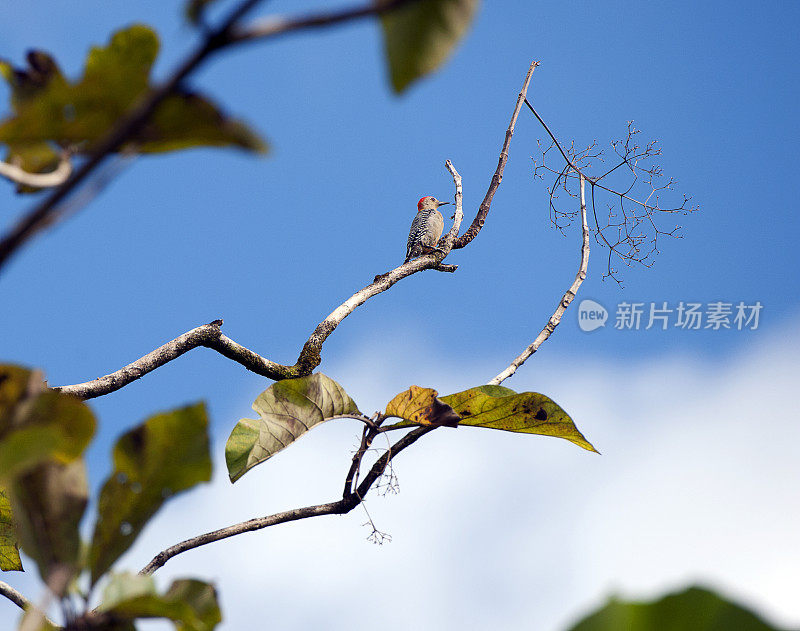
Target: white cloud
x=697, y=482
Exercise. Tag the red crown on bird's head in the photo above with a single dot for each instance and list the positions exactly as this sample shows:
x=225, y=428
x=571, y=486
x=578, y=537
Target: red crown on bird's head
x=421, y=201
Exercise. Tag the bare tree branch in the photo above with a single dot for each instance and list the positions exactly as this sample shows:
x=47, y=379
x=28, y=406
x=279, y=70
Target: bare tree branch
x=50, y=209
x=568, y=297
x=628, y=234
x=208, y=335
x=340, y=507
x=14, y=596
x=497, y=178
x=352, y=475
x=20, y=601
x=310, y=356
x=449, y=239
x=552, y=136
x=211, y=336
x=56, y=177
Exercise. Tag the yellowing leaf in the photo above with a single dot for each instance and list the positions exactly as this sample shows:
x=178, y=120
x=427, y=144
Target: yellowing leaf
x=420, y=406
x=497, y=407
x=123, y=66
x=38, y=424
x=189, y=120
x=165, y=455
x=26, y=84
x=420, y=36
x=190, y=604
x=32, y=157
x=9, y=550
x=287, y=410
x=42, y=436
x=50, y=111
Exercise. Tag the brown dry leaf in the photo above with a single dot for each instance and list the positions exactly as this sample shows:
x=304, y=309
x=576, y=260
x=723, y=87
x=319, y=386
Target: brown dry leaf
x=421, y=406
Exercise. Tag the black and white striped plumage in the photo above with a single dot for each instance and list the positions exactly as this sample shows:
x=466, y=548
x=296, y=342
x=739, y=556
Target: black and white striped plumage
x=426, y=228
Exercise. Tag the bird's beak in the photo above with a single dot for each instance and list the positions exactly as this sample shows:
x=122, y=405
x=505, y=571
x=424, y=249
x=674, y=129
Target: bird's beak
x=443, y=203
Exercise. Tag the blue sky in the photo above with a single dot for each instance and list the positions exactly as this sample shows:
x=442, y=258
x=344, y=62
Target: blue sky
x=273, y=244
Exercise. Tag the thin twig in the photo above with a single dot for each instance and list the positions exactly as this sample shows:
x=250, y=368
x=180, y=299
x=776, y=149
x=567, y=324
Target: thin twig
x=552, y=137
x=370, y=432
x=449, y=239
x=497, y=178
x=20, y=601
x=269, y=27
x=339, y=507
x=56, y=588
x=352, y=474
x=56, y=177
x=629, y=239
x=555, y=319
x=14, y=596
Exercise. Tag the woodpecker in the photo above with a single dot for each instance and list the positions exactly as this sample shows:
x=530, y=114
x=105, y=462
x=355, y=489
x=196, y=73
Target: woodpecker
x=426, y=228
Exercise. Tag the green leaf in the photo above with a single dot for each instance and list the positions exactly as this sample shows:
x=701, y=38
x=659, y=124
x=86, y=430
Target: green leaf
x=126, y=586
x=497, y=407
x=38, y=424
x=122, y=67
x=49, y=110
x=42, y=436
x=189, y=120
x=420, y=406
x=9, y=550
x=421, y=36
x=191, y=604
x=25, y=84
x=287, y=410
x=695, y=609
x=241, y=445
x=201, y=597
x=167, y=454
x=48, y=503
